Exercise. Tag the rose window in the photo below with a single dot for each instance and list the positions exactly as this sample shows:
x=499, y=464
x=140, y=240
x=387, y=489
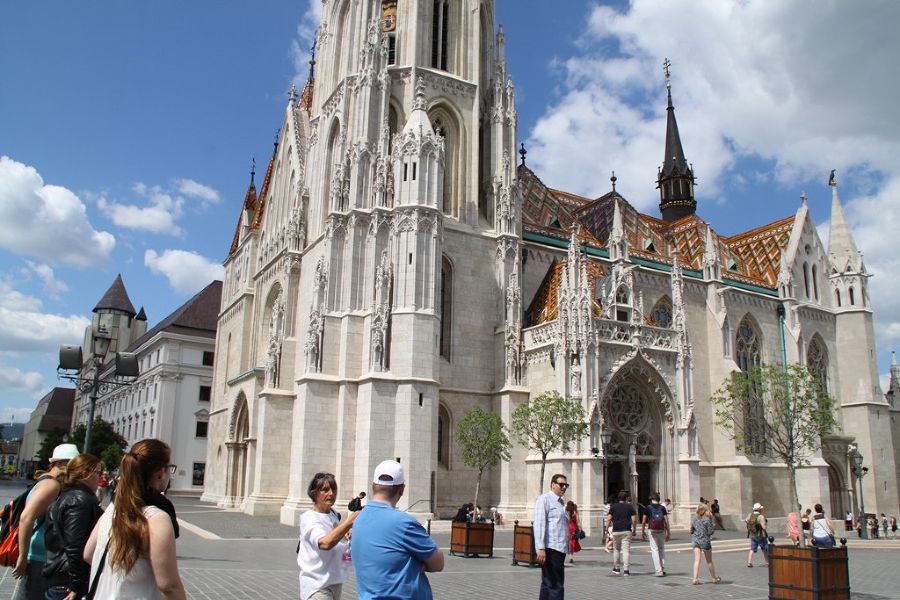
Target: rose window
x=627, y=410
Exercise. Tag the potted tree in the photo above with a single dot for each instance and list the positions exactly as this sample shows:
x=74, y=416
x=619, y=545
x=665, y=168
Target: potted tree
x=546, y=424
x=482, y=439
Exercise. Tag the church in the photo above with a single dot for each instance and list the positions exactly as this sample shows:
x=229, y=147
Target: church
x=400, y=265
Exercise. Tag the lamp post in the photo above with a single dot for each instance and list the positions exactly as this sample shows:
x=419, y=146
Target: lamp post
x=860, y=472
x=101, y=341
x=605, y=439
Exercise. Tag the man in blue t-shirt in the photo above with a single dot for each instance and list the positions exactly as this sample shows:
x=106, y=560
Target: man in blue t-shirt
x=391, y=550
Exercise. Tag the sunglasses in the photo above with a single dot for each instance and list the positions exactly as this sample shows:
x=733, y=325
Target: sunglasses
x=172, y=469
x=562, y=485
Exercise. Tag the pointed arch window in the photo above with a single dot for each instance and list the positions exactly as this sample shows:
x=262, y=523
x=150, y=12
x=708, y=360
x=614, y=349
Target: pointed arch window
x=852, y=297
x=815, y=282
x=747, y=356
x=446, y=306
x=661, y=316
x=837, y=297
x=806, y=280
x=817, y=361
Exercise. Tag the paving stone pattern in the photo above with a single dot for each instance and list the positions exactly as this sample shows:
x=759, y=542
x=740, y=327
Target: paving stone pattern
x=255, y=559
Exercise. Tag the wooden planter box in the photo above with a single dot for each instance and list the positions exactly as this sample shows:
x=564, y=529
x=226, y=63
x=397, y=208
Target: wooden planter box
x=523, y=546
x=472, y=539
x=808, y=573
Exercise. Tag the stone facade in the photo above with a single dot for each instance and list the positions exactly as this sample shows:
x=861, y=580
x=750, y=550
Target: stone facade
x=397, y=269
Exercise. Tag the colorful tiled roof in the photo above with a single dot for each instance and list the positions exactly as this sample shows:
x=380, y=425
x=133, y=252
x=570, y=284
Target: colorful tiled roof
x=759, y=250
x=249, y=204
x=544, y=305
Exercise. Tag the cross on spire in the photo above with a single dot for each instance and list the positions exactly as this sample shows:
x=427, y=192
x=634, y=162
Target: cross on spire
x=666, y=64
x=522, y=153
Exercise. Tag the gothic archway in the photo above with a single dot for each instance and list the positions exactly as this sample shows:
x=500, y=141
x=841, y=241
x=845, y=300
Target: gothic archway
x=637, y=406
x=238, y=435
x=837, y=493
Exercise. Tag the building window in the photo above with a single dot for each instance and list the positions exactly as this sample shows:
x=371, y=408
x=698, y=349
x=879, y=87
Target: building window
x=443, y=437
x=806, y=280
x=205, y=393
x=439, y=28
x=392, y=48
x=208, y=359
x=662, y=313
x=852, y=297
x=198, y=473
x=837, y=297
x=815, y=283
x=446, y=306
x=747, y=356
x=200, y=432
x=817, y=362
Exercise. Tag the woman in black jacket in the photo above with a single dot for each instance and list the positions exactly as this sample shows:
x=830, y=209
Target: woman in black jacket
x=70, y=520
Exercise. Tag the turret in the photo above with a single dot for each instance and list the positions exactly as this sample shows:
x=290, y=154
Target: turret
x=675, y=179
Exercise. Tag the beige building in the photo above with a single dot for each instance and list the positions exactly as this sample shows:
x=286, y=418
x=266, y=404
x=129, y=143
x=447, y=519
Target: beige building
x=397, y=269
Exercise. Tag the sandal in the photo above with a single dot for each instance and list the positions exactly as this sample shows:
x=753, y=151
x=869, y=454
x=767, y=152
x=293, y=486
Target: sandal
x=696, y=582
x=717, y=580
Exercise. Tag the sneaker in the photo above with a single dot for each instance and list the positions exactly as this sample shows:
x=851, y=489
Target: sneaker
x=660, y=574
x=626, y=573
x=616, y=570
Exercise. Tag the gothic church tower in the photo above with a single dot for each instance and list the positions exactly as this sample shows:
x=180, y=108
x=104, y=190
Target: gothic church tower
x=360, y=317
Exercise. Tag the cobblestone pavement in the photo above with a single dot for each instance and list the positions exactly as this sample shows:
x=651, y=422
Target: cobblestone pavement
x=228, y=555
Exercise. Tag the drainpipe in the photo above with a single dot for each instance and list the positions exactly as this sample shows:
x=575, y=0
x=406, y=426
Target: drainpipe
x=781, y=312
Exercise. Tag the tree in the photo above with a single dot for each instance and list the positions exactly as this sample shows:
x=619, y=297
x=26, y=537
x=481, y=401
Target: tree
x=549, y=422
x=111, y=457
x=788, y=407
x=102, y=437
x=54, y=438
x=482, y=438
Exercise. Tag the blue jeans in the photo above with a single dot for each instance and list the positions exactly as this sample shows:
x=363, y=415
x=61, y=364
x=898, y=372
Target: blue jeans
x=824, y=542
x=553, y=576
x=56, y=592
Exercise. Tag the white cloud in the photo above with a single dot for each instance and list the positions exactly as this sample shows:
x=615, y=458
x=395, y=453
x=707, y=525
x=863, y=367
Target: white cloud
x=47, y=221
x=194, y=189
x=301, y=45
x=14, y=380
x=25, y=328
x=158, y=215
x=22, y=414
x=53, y=287
x=804, y=89
x=187, y=272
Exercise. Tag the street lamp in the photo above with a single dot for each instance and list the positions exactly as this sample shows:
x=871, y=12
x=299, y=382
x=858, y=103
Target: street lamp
x=860, y=471
x=605, y=439
x=70, y=359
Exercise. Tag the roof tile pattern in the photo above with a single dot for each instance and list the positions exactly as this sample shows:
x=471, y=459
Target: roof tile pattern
x=116, y=298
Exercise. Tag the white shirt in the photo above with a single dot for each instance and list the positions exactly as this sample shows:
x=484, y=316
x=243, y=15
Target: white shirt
x=319, y=568
x=139, y=583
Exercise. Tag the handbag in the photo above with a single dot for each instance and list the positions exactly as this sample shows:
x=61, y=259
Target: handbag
x=580, y=534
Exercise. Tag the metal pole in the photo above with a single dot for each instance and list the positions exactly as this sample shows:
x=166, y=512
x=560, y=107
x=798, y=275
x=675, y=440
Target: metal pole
x=95, y=390
x=862, y=505
x=781, y=313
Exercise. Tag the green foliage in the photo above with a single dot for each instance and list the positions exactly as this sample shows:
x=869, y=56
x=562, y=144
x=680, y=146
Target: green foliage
x=111, y=457
x=789, y=407
x=53, y=439
x=547, y=423
x=102, y=437
x=481, y=436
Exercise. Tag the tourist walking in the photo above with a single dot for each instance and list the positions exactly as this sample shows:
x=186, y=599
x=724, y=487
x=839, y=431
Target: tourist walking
x=884, y=525
x=323, y=552
x=702, y=529
x=574, y=530
x=132, y=548
x=716, y=514
x=623, y=519
x=793, y=528
x=893, y=524
x=657, y=519
x=551, y=538
x=391, y=550
x=756, y=529
x=822, y=529
x=70, y=520
x=32, y=525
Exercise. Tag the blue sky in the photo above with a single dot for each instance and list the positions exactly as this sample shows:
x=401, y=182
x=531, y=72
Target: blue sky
x=127, y=130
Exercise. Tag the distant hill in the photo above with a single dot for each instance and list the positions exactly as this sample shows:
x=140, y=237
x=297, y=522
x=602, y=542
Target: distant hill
x=13, y=431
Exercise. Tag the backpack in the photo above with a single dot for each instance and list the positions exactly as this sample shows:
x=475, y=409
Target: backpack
x=9, y=526
x=656, y=518
x=753, y=526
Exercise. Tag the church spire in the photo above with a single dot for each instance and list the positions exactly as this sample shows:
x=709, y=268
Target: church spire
x=675, y=179
x=841, y=248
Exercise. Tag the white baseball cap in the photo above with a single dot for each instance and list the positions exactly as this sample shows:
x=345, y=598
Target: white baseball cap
x=757, y=506
x=64, y=452
x=388, y=472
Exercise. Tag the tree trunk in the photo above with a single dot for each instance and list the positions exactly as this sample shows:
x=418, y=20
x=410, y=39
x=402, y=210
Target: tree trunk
x=795, y=501
x=477, y=489
x=543, y=466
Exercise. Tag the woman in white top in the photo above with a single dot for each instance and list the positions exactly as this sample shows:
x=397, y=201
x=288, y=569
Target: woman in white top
x=133, y=543
x=323, y=551
x=822, y=529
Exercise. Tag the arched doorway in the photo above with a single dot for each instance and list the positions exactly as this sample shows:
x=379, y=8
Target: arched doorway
x=635, y=449
x=837, y=493
x=238, y=434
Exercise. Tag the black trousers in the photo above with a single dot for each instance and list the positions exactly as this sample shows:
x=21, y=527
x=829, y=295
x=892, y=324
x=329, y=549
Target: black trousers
x=553, y=576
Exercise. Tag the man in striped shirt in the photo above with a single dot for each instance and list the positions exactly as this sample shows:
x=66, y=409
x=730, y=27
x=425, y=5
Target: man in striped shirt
x=551, y=538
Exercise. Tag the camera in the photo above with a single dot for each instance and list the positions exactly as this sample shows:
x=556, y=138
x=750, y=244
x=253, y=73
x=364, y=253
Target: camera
x=356, y=503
